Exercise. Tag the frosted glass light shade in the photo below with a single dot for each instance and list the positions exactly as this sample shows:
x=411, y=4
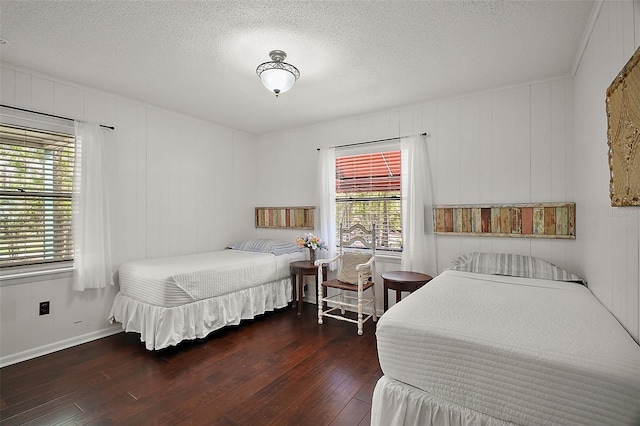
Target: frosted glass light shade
x=277, y=80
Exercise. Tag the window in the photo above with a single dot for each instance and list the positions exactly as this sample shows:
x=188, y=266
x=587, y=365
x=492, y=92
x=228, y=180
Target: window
x=36, y=179
x=367, y=192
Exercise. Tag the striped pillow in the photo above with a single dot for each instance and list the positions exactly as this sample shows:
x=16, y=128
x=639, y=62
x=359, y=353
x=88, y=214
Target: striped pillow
x=275, y=247
x=513, y=265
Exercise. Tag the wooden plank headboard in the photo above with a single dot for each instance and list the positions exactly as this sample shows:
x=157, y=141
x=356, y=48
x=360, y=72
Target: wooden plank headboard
x=285, y=217
x=539, y=220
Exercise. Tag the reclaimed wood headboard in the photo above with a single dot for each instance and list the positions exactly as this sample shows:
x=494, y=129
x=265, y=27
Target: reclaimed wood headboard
x=540, y=220
x=285, y=217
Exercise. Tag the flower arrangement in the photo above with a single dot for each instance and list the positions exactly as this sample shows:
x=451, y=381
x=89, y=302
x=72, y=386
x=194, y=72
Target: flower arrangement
x=310, y=241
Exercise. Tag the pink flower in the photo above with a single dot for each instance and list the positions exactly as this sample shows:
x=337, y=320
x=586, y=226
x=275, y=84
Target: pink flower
x=310, y=241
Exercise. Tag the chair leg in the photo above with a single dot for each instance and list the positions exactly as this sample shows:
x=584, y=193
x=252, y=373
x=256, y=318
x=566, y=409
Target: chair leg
x=342, y=300
x=320, y=302
x=360, y=313
x=373, y=292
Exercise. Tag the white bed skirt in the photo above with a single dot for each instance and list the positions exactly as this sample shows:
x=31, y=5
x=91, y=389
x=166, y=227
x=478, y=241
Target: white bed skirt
x=161, y=327
x=395, y=403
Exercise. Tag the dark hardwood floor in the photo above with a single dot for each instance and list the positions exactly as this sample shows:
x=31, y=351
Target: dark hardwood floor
x=274, y=370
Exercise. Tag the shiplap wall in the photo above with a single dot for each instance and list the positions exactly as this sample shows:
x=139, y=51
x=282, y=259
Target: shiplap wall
x=178, y=186
x=609, y=237
x=511, y=145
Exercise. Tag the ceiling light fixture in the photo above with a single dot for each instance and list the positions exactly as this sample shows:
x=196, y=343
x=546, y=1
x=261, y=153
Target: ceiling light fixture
x=276, y=75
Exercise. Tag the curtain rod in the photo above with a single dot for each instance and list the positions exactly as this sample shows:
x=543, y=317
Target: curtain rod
x=51, y=115
x=376, y=141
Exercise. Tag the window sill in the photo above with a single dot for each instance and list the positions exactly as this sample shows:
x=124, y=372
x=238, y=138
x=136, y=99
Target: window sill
x=385, y=256
x=389, y=257
x=15, y=278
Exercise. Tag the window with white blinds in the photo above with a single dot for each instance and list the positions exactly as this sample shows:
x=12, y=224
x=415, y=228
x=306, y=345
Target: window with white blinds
x=36, y=180
x=368, y=190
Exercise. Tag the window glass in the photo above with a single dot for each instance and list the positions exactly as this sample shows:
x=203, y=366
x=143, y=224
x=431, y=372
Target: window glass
x=36, y=181
x=368, y=190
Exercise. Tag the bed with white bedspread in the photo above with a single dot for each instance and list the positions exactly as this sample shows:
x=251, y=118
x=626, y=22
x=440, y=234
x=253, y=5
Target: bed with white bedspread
x=168, y=300
x=479, y=346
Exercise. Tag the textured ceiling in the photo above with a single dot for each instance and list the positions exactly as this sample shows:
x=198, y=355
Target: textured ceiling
x=199, y=58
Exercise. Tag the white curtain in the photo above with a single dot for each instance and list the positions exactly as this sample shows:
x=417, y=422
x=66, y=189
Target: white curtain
x=419, y=245
x=326, y=202
x=91, y=236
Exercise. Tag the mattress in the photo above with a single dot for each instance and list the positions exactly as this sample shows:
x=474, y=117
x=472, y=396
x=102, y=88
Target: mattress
x=522, y=350
x=174, y=281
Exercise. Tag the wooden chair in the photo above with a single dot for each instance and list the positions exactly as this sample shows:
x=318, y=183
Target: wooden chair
x=356, y=272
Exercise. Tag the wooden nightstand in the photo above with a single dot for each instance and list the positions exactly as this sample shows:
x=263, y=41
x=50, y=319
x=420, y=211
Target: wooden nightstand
x=402, y=281
x=299, y=270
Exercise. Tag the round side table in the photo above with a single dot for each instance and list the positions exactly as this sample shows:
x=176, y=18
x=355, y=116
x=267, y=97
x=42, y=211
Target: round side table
x=402, y=281
x=299, y=270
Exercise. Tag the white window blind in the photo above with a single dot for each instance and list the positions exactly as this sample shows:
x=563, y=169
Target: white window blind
x=368, y=190
x=36, y=179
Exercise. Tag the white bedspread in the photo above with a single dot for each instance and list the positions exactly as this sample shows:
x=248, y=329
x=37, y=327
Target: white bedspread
x=175, y=281
x=522, y=350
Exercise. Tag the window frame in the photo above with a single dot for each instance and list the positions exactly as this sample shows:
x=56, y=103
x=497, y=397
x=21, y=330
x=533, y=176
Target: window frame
x=13, y=274
x=365, y=149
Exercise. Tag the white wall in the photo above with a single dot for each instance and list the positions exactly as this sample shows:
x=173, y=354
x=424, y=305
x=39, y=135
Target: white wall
x=511, y=145
x=178, y=186
x=609, y=237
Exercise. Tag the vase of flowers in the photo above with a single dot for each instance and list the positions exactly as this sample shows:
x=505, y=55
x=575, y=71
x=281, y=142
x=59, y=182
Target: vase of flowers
x=312, y=242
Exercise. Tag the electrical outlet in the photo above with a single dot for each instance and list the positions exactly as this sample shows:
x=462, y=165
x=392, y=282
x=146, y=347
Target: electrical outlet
x=44, y=308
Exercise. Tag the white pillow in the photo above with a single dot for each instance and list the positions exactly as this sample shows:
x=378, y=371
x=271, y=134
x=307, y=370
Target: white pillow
x=351, y=259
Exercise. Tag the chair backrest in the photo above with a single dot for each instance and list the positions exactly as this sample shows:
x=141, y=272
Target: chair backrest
x=358, y=237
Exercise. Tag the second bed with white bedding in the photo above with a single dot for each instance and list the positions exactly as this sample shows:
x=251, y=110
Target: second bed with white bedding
x=168, y=300
x=511, y=349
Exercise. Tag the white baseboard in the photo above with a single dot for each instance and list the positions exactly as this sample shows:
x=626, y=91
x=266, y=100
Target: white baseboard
x=57, y=346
